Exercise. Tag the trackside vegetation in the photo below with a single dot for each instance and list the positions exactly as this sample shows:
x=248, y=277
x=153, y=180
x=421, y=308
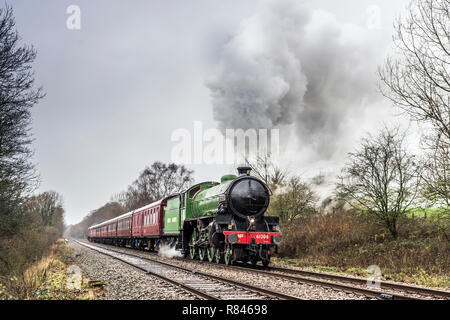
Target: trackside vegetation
x=350, y=241
x=29, y=223
x=54, y=277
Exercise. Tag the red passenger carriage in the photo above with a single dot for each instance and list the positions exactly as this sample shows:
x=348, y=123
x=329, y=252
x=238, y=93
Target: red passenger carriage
x=139, y=228
x=148, y=221
x=124, y=225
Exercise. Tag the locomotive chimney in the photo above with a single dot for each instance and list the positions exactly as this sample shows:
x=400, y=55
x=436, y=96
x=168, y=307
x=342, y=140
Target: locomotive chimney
x=244, y=171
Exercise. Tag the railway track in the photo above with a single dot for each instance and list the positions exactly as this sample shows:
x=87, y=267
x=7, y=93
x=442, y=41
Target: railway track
x=312, y=278
x=386, y=290
x=347, y=284
x=384, y=286
x=371, y=293
x=202, y=285
x=340, y=282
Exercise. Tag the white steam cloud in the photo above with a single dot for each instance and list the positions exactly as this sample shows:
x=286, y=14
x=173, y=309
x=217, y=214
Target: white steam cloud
x=290, y=65
x=168, y=251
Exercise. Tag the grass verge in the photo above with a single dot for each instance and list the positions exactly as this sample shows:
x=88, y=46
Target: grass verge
x=54, y=277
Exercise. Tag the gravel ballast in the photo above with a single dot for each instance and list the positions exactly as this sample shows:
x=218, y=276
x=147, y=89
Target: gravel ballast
x=292, y=288
x=124, y=282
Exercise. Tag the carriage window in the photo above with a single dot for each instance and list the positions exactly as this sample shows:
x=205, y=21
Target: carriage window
x=193, y=191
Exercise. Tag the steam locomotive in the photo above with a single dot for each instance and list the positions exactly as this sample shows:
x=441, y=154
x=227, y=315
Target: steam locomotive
x=222, y=222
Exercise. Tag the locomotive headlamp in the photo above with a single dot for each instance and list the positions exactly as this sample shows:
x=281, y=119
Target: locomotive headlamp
x=251, y=221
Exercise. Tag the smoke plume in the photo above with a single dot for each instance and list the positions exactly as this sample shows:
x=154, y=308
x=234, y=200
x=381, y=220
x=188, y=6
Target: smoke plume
x=290, y=65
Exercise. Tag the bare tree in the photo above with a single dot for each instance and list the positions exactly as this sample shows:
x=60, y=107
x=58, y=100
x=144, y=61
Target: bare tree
x=108, y=211
x=49, y=207
x=296, y=199
x=437, y=172
x=156, y=182
x=265, y=169
x=417, y=78
x=381, y=178
x=17, y=97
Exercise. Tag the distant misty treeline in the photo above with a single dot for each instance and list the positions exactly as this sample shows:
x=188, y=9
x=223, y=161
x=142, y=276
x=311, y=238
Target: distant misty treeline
x=153, y=183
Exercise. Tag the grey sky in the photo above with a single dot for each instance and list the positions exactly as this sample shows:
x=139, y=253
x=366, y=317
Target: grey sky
x=117, y=88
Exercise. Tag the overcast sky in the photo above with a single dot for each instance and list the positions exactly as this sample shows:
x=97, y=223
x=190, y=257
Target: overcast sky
x=135, y=72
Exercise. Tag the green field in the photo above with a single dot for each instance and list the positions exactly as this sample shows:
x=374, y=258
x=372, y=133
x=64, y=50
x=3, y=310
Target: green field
x=428, y=212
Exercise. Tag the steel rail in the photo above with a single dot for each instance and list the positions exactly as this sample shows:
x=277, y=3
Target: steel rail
x=383, y=285
x=173, y=282
x=256, y=289
x=335, y=286
x=364, y=291
x=331, y=285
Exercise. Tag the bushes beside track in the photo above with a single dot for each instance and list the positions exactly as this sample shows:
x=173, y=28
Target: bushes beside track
x=350, y=241
x=54, y=277
x=28, y=231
